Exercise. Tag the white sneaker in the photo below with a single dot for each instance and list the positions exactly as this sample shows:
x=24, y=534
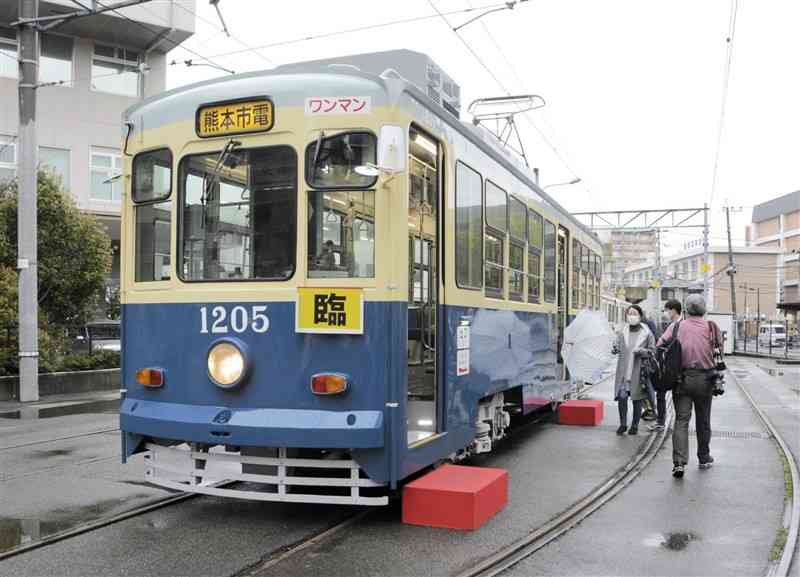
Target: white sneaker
x=655, y=427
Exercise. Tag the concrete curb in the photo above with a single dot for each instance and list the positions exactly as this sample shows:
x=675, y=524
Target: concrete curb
x=64, y=383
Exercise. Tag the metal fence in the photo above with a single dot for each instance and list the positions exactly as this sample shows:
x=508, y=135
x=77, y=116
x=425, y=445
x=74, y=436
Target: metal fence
x=78, y=338
x=768, y=338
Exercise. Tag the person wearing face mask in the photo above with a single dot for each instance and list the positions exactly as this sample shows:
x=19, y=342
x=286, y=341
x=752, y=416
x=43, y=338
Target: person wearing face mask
x=672, y=314
x=634, y=342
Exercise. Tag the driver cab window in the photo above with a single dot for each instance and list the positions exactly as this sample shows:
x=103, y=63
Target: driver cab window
x=341, y=212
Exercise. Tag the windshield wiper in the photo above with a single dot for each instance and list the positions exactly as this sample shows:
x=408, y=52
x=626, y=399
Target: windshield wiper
x=208, y=188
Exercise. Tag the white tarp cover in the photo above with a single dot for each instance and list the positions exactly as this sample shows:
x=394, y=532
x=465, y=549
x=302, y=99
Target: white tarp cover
x=588, y=342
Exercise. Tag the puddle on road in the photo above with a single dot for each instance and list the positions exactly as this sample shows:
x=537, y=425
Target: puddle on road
x=19, y=532
x=102, y=407
x=49, y=453
x=677, y=541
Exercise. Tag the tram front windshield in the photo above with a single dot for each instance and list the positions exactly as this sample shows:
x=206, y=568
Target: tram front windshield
x=239, y=221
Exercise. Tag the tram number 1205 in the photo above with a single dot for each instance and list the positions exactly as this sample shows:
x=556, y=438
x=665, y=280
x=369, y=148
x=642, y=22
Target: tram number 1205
x=238, y=320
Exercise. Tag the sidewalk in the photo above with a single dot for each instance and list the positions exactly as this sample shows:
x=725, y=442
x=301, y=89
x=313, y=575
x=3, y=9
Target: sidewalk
x=776, y=388
x=720, y=521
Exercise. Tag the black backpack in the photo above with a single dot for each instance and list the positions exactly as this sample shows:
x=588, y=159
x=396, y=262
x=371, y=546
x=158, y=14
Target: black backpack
x=670, y=362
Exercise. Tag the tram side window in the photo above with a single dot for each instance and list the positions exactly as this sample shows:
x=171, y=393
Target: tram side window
x=584, y=276
x=534, y=277
x=239, y=222
x=152, y=179
x=598, y=267
x=518, y=232
x=549, y=261
x=469, y=228
x=576, y=273
x=341, y=234
x=152, y=241
x=534, y=256
x=496, y=226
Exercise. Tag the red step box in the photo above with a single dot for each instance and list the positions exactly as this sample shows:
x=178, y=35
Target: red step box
x=581, y=412
x=455, y=497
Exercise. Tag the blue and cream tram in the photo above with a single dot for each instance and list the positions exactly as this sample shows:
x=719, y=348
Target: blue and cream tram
x=330, y=282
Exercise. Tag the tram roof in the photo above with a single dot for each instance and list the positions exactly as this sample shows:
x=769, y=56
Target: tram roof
x=180, y=104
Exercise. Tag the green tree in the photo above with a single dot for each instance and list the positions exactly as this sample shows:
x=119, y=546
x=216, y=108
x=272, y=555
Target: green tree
x=74, y=252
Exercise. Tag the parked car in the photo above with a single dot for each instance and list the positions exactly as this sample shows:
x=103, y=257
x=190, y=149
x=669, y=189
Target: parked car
x=99, y=336
x=772, y=332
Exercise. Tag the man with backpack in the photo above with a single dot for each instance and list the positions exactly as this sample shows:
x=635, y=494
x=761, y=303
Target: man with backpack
x=672, y=314
x=696, y=340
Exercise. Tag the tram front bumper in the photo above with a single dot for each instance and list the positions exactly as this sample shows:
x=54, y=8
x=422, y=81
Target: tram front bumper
x=216, y=425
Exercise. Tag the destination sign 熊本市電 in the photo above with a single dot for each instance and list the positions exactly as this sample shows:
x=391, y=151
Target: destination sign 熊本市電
x=235, y=117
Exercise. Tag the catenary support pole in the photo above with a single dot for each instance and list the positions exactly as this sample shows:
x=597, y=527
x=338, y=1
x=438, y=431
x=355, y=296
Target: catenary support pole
x=28, y=37
x=731, y=264
x=705, y=254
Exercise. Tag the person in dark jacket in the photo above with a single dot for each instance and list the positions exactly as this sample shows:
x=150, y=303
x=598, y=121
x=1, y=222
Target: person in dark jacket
x=672, y=314
x=649, y=413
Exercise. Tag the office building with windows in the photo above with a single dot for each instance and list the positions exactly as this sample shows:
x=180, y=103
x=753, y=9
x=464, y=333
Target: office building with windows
x=90, y=70
x=776, y=224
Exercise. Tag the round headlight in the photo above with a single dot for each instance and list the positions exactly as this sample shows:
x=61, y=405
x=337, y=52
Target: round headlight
x=226, y=364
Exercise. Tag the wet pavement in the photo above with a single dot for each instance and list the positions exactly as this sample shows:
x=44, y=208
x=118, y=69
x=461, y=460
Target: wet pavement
x=60, y=468
x=719, y=521
x=550, y=467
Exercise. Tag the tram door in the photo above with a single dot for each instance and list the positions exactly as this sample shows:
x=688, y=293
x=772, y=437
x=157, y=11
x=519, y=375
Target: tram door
x=562, y=296
x=423, y=282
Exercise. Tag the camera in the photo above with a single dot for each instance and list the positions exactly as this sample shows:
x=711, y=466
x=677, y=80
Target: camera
x=718, y=383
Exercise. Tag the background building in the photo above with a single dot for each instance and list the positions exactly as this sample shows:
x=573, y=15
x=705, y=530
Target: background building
x=91, y=69
x=776, y=224
x=625, y=249
x=757, y=279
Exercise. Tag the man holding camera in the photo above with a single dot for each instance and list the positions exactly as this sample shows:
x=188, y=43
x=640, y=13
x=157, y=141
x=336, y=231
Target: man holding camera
x=701, y=361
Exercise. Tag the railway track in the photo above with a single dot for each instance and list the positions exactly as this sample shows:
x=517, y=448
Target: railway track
x=517, y=551
x=82, y=528
x=580, y=510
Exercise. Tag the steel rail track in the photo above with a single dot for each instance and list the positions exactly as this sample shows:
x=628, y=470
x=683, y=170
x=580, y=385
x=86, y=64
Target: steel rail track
x=580, y=510
x=65, y=438
x=791, y=512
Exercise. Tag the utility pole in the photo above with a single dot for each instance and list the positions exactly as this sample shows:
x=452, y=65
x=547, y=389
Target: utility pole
x=28, y=40
x=731, y=265
x=706, y=264
x=758, y=297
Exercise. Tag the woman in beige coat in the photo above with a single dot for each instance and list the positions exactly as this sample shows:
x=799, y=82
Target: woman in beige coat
x=634, y=342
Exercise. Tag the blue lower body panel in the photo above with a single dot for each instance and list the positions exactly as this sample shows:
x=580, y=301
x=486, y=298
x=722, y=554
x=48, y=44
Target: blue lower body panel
x=253, y=427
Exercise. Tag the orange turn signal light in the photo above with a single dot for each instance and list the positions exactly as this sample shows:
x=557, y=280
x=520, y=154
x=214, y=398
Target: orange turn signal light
x=150, y=377
x=329, y=384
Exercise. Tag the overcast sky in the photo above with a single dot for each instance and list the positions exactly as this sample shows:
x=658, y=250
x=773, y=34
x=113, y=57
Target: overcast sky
x=633, y=87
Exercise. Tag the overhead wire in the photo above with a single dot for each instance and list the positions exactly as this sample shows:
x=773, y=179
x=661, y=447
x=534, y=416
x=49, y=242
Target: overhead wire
x=222, y=30
x=359, y=29
x=502, y=86
x=725, y=83
x=156, y=34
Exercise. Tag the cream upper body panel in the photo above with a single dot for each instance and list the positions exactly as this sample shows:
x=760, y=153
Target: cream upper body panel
x=168, y=121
